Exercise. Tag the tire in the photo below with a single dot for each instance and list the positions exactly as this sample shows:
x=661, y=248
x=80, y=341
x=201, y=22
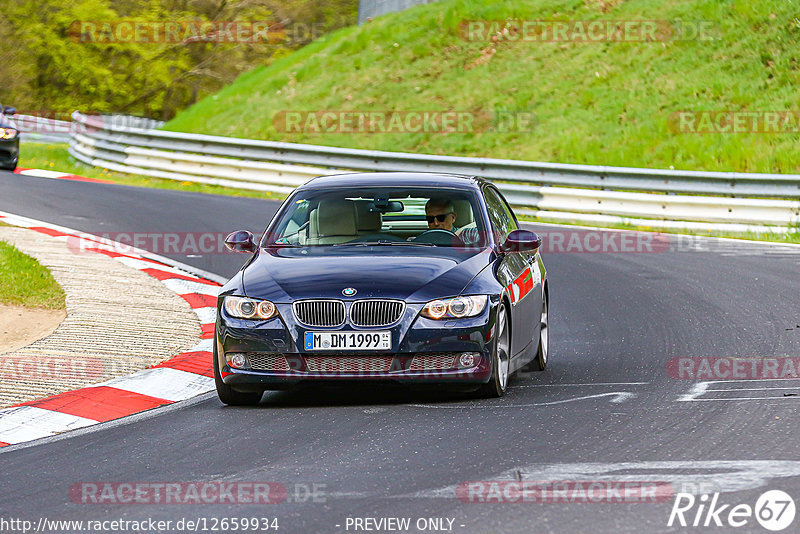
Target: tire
x=230, y=396
x=539, y=363
x=501, y=357
x=12, y=166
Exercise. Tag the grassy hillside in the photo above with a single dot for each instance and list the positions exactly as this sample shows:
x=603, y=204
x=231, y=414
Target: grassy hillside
x=597, y=103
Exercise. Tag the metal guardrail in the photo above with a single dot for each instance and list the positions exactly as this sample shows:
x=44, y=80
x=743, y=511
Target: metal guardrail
x=40, y=129
x=714, y=200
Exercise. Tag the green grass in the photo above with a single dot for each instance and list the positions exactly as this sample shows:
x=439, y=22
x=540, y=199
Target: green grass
x=55, y=157
x=26, y=282
x=607, y=103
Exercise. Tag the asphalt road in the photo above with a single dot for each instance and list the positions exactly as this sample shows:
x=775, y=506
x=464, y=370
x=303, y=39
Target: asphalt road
x=605, y=410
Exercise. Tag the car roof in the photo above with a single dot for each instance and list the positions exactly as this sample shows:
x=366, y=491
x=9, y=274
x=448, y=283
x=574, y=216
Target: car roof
x=395, y=179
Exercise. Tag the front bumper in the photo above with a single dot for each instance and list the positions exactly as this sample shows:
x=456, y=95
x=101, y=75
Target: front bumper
x=420, y=351
x=9, y=152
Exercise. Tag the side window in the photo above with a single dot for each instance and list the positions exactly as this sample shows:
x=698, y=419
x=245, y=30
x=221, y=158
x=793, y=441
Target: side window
x=299, y=218
x=502, y=219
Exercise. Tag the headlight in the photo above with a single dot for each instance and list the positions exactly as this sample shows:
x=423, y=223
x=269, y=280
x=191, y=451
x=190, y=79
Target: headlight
x=8, y=133
x=455, y=308
x=245, y=308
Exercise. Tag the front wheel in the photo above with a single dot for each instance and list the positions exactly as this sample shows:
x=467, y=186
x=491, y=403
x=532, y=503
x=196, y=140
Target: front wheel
x=230, y=396
x=539, y=363
x=496, y=387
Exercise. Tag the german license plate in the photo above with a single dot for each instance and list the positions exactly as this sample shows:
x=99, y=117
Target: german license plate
x=348, y=340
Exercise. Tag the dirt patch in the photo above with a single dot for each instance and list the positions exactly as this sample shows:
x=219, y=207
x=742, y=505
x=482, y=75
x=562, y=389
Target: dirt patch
x=20, y=326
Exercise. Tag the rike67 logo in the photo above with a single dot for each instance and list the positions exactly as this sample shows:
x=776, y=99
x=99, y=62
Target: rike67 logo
x=774, y=510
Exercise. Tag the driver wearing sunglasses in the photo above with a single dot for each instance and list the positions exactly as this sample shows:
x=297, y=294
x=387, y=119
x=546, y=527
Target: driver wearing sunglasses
x=440, y=214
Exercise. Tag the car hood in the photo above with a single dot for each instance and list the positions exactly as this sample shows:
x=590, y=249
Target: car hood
x=412, y=274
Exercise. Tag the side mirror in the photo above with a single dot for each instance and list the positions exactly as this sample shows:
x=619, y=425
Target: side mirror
x=521, y=241
x=240, y=241
x=8, y=110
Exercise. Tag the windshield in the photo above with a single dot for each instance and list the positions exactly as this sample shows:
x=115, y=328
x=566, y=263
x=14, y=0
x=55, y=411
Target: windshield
x=380, y=216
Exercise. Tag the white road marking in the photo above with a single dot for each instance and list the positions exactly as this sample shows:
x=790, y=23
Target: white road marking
x=16, y=220
x=163, y=383
x=697, y=390
x=578, y=385
x=702, y=388
x=207, y=315
x=184, y=287
x=143, y=264
x=618, y=396
x=745, y=399
x=43, y=173
x=750, y=389
x=25, y=423
x=207, y=345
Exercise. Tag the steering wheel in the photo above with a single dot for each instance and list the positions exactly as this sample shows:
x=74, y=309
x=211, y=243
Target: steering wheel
x=439, y=236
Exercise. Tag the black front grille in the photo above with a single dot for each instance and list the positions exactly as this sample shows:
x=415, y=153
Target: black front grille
x=437, y=361
x=376, y=312
x=349, y=364
x=319, y=312
x=262, y=361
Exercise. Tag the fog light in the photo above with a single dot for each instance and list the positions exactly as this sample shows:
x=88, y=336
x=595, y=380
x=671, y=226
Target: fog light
x=236, y=360
x=468, y=359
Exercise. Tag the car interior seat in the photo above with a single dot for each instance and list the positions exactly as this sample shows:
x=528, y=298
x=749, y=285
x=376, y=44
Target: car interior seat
x=333, y=221
x=367, y=222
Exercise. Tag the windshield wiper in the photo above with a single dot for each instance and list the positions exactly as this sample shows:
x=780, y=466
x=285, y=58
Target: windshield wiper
x=381, y=242
x=361, y=243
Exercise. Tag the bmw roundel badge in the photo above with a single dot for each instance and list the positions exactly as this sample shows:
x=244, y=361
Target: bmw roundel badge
x=349, y=291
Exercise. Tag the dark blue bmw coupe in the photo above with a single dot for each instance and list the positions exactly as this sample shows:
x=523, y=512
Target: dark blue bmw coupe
x=9, y=139
x=404, y=277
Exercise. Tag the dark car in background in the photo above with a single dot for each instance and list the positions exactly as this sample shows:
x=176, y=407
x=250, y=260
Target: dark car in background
x=355, y=280
x=9, y=139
